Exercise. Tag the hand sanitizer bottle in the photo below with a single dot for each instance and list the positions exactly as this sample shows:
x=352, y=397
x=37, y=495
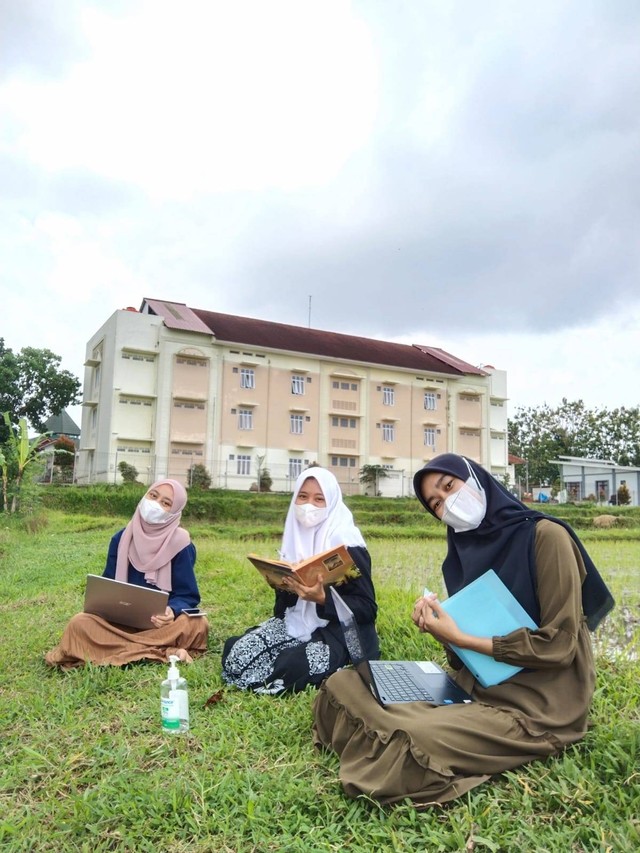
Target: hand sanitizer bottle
x=174, y=700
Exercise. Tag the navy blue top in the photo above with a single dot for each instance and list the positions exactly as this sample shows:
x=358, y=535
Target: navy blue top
x=184, y=592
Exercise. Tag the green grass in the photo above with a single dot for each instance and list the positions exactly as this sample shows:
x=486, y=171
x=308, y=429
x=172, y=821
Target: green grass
x=86, y=766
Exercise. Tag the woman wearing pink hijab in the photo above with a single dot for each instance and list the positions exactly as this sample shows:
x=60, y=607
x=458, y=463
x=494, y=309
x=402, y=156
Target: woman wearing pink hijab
x=154, y=551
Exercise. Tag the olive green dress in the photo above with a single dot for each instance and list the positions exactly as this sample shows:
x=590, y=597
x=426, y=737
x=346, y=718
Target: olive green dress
x=434, y=754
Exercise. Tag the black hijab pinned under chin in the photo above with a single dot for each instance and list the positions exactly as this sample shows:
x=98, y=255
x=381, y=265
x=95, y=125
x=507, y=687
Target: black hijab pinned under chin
x=505, y=542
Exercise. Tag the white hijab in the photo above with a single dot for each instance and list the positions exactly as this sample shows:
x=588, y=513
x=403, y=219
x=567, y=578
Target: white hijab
x=300, y=542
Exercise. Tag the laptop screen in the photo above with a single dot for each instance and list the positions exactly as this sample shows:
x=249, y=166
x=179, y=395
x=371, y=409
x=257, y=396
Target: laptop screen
x=349, y=628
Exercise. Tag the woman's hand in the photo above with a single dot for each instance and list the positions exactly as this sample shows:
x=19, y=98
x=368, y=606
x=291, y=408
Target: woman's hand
x=308, y=593
x=165, y=618
x=430, y=618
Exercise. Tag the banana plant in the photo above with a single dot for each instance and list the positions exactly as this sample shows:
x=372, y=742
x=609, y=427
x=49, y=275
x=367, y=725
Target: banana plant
x=4, y=468
x=22, y=452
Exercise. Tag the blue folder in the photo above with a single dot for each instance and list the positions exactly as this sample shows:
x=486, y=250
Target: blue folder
x=487, y=608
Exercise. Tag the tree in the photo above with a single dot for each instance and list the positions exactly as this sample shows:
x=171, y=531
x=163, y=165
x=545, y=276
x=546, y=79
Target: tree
x=541, y=434
x=17, y=456
x=199, y=477
x=624, y=498
x=33, y=387
x=371, y=475
x=129, y=473
x=618, y=434
x=264, y=477
x=65, y=451
x=266, y=481
x=62, y=454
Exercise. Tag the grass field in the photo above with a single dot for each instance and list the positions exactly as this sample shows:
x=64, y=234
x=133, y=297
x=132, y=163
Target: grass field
x=86, y=766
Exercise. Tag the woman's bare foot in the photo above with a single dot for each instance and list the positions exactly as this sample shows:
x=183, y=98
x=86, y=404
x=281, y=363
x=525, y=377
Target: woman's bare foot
x=182, y=654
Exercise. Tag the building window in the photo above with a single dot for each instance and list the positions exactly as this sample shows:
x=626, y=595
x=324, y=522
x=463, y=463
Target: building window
x=602, y=490
x=295, y=468
x=296, y=422
x=247, y=377
x=388, y=395
x=575, y=491
x=344, y=423
x=388, y=432
x=243, y=464
x=297, y=384
x=96, y=381
x=430, y=437
x=245, y=418
x=343, y=461
x=430, y=402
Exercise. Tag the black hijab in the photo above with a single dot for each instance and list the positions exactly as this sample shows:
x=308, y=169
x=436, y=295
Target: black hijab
x=505, y=542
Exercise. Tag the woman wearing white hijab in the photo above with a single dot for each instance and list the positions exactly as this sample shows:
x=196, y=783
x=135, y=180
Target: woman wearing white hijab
x=303, y=642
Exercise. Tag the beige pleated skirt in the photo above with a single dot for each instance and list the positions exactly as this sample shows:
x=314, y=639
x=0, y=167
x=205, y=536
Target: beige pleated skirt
x=89, y=638
x=415, y=750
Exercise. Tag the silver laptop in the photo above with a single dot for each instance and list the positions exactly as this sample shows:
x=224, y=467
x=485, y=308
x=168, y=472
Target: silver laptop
x=123, y=603
x=395, y=681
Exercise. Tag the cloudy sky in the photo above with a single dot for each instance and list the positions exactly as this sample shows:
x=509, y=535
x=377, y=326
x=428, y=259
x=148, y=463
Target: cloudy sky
x=443, y=172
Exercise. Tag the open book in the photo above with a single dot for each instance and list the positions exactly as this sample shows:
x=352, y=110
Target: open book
x=334, y=566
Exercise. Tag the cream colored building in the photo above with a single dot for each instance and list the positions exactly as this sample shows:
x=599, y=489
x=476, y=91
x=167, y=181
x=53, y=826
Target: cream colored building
x=168, y=387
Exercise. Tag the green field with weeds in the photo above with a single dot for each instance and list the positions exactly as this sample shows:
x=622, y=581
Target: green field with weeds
x=86, y=766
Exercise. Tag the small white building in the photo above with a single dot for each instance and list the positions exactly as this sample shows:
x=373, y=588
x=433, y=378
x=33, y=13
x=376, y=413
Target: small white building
x=601, y=478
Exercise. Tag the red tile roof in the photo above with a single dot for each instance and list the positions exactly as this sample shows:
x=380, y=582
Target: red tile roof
x=247, y=331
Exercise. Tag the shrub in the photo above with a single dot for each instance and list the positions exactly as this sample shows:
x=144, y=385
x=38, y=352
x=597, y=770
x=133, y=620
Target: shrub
x=265, y=480
x=624, y=498
x=199, y=477
x=128, y=472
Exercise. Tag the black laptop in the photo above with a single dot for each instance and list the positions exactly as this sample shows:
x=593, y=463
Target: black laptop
x=394, y=681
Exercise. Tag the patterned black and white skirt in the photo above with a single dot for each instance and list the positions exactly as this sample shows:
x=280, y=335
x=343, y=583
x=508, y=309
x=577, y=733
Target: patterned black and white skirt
x=266, y=659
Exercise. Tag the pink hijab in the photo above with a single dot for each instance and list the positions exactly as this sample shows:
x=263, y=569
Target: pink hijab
x=151, y=547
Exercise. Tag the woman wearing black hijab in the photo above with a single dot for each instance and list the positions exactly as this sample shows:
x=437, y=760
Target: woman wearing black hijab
x=434, y=754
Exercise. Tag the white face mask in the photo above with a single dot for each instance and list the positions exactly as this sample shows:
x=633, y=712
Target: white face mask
x=465, y=509
x=152, y=512
x=308, y=515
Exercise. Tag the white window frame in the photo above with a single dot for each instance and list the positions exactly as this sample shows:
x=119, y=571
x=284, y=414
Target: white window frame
x=430, y=401
x=388, y=395
x=297, y=384
x=247, y=377
x=245, y=419
x=295, y=468
x=388, y=432
x=243, y=465
x=296, y=423
x=430, y=437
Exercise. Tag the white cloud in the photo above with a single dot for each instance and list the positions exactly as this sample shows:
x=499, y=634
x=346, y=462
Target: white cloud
x=194, y=99
x=459, y=174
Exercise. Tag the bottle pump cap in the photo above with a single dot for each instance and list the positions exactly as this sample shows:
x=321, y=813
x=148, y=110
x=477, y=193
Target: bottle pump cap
x=173, y=674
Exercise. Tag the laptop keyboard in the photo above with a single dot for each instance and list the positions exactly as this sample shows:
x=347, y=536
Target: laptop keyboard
x=395, y=684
